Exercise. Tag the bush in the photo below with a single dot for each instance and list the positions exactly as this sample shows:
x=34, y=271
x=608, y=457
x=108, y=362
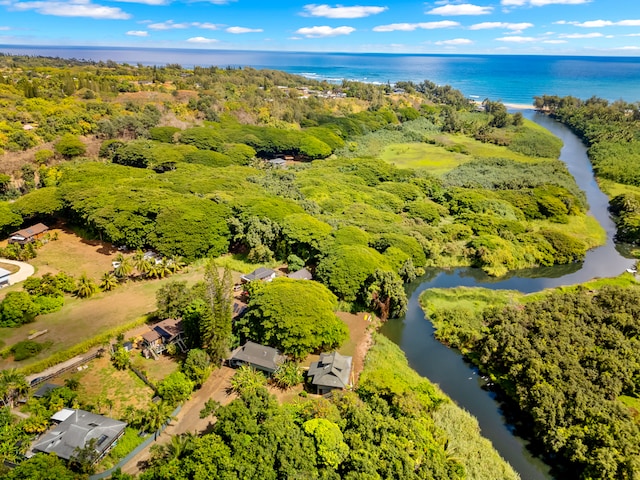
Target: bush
x=26, y=349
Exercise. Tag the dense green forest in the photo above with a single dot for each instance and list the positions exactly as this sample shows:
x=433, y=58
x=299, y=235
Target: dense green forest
x=174, y=159
x=566, y=358
x=612, y=132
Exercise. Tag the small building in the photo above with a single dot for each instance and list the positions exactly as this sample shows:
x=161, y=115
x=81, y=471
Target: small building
x=302, y=274
x=263, y=274
x=239, y=309
x=331, y=372
x=29, y=234
x=74, y=429
x=161, y=335
x=4, y=277
x=45, y=389
x=277, y=163
x=258, y=356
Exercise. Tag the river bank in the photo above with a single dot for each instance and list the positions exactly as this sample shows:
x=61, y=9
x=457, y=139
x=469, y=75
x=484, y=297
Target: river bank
x=446, y=367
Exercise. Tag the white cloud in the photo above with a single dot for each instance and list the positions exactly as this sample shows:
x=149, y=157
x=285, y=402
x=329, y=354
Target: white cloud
x=168, y=25
x=581, y=35
x=324, y=31
x=541, y=3
x=461, y=9
x=604, y=23
x=243, y=30
x=202, y=40
x=503, y=25
x=138, y=33
x=4, y=29
x=554, y=42
x=517, y=39
x=342, y=12
x=410, y=27
x=146, y=2
x=628, y=47
x=455, y=41
x=206, y=25
x=73, y=8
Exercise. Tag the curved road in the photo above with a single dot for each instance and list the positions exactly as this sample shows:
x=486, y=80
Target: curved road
x=26, y=270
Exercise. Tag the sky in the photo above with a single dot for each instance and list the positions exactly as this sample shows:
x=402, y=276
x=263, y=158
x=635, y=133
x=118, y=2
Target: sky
x=560, y=27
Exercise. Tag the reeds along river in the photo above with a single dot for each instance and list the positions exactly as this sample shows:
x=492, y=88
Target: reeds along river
x=446, y=367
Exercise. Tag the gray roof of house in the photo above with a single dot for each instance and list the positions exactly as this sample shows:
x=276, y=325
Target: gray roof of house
x=76, y=431
x=302, y=274
x=259, y=356
x=259, y=274
x=29, y=232
x=45, y=389
x=332, y=370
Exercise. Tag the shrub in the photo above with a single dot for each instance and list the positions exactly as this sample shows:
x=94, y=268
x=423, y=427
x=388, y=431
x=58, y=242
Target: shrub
x=26, y=349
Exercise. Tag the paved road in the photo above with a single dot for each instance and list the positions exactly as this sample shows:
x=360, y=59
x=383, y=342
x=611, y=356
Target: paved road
x=26, y=270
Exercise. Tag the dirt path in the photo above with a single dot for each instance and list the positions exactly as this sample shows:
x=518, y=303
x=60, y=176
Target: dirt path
x=188, y=420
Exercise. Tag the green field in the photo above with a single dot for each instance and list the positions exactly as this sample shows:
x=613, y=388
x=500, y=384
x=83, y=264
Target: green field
x=448, y=152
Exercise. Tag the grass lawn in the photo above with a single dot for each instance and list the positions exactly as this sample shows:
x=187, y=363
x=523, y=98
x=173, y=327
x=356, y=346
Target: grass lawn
x=101, y=381
x=81, y=319
x=583, y=227
x=438, y=159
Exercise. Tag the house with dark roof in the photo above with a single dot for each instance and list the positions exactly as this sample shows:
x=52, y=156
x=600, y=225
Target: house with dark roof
x=302, y=274
x=45, y=389
x=161, y=335
x=75, y=429
x=29, y=234
x=263, y=274
x=258, y=356
x=331, y=372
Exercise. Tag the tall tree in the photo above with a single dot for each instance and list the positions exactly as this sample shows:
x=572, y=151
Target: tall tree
x=216, y=333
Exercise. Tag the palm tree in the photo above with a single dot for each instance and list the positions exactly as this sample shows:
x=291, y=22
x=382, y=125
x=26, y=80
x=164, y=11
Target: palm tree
x=141, y=263
x=123, y=268
x=156, y=416
x=163, y=268
x=85, y=287
x=108, y=281
x=12, y=385
x=176, y=263
x=178, y=447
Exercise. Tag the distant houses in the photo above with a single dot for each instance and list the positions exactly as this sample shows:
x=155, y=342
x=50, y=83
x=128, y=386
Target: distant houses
x=73, y=430
x=29, y=234
x=260, y=357
x=262, y=274
x=302, y=274
x=331, y=372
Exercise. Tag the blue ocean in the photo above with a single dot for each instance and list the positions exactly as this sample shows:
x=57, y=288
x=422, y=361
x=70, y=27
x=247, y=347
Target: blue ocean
x=513, y=79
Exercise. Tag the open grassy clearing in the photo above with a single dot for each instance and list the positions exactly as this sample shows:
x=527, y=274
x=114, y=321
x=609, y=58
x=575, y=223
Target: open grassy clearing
x=81, y=319
x=448, y=152
x=434, y=158
x=583, y=227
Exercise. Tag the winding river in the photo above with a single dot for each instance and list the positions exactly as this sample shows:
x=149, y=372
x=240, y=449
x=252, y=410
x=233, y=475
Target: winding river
x=446, y=367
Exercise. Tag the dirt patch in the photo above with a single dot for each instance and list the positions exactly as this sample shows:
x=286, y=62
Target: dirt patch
x=357, y=346
x=74, y=255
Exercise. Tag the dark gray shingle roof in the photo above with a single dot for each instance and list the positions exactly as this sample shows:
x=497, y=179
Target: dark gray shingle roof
x=76, y=431
x=332, y=370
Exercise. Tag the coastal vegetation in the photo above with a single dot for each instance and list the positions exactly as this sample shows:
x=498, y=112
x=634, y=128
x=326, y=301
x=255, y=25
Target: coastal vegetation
x=610, y=130
x=364, y=185
x=565, y=360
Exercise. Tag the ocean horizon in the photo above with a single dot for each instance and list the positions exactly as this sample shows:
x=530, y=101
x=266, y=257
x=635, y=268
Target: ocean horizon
x=512, y=79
